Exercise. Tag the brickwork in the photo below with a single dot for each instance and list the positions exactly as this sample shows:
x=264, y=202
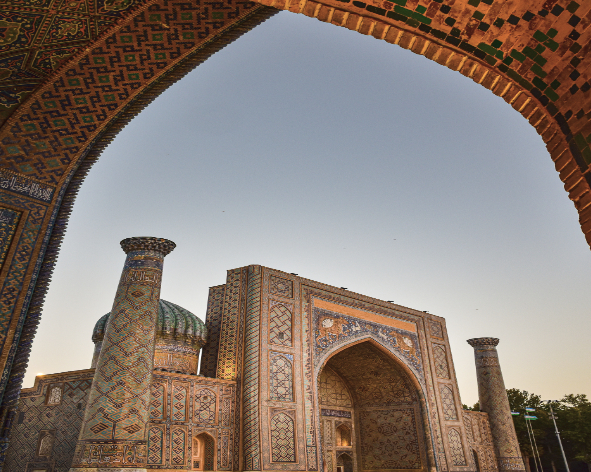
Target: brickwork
x=480, y=440
x=493, y=400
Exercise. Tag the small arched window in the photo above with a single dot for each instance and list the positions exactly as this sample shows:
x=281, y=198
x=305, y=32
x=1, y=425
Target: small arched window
x=343, y=436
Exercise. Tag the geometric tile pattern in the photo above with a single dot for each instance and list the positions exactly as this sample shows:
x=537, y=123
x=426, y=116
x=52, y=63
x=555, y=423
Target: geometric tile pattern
x=8, y=222
x=389, y=439
x=205, y=407
x=179, y=401
x=64, y=419
x=252, y=358
x=440, y=357
x=213, y=323
x=280, y=287
x=282, y=438
x=493, y=399
x=156, y=444
x=332, y=390
x=436, y=329
x=158, y=401
x=280, y=325
x=281, y=378
x=375, y=380
x=120, y=394
x=178, y=443
x=448, y=403
x=480, y=439
x=209, y=452
x=227, y=358
x=455, y=447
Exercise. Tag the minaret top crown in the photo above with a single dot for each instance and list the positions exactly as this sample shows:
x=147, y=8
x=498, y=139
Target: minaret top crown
x=147, y=243
x=483, y=342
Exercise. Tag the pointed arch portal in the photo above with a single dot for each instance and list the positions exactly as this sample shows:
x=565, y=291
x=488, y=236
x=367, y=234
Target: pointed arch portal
x=371, y=413
x=63, y=99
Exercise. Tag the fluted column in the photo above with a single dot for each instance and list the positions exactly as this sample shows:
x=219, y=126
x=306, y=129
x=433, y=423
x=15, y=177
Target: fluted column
x=113, y=435
x=493, y=400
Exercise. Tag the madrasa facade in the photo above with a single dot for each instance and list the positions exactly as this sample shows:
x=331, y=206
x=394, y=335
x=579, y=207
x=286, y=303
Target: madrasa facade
x=295, y=375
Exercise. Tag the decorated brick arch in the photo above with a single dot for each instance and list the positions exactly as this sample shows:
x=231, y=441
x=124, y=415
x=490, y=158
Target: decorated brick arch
x=74, y=72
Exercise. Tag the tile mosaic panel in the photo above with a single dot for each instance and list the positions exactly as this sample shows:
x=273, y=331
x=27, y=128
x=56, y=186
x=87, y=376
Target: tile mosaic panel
x=280, y=287
x=280, y=324
x=331, y=389
x=441, y=365
x=455, y=448
x=389, y=439
x=213, y=323
x=281, y=377
x=179, y=400
x=156, y=444
x=178, y=445
x=158, y=401
x=205, y=406
x=283, y=441
x=448, y=403
x=252, y=450
x=8, y=222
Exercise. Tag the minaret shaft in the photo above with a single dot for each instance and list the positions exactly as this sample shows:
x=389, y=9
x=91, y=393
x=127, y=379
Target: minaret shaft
x=493, y=400
x=113, y=435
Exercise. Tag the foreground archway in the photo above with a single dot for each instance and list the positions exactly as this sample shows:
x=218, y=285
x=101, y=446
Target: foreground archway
x=73, y=73
x=371, y=413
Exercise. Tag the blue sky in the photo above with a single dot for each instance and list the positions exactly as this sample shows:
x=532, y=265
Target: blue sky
x=316, y=150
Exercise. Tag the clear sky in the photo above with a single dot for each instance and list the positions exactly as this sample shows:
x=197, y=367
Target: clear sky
x=312, y=149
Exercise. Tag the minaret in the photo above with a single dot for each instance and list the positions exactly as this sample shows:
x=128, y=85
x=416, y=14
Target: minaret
x=493, y=400
x=113, y=435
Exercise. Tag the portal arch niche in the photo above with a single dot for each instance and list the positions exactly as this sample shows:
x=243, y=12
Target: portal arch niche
x=203, y=452
x=370, y=412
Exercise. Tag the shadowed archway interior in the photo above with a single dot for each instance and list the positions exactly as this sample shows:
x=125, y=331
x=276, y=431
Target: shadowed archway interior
x=371, y=413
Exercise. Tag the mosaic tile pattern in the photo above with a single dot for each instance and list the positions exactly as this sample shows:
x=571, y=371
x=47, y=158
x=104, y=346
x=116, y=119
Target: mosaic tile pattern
x=493, y=399
x=448, y=403
x=282, y=429
x=331, y=389
x=231, y=323
x=332, y=329
x=213, y=323
x=205, y=406
x=156, y=444
x=8, y=221
x=280, y=287
x=252, y=448
x=118, y=413
x=34, y=416
x=441, y=366
x=280, y=324
x=480, y=439
x=180, y=396
x=178, y=445
x=281, y=377
x=389, y=439
x=455, y=446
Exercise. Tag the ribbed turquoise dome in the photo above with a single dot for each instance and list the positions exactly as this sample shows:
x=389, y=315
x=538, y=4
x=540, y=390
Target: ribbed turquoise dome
x=173, y=322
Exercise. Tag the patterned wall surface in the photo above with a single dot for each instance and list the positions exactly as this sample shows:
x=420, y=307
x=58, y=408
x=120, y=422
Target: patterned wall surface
x=115, y=422
x=480, y=439
x=281, y=375
x=493, y=400
x=282, y=428
x=169, y=435
x=386, y=405
x=37, y=414
x=213, y=323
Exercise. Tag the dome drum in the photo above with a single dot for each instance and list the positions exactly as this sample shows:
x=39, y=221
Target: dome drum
x=180, y=335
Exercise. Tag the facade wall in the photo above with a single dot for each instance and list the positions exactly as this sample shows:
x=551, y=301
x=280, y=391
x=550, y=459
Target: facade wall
x=182, y=407
x=48, y=421
x=296, y=362
x=480, y=440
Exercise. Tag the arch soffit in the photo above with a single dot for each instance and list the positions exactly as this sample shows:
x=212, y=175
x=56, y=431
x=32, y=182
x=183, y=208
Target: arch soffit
x=409, y=370
x=523, y=52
